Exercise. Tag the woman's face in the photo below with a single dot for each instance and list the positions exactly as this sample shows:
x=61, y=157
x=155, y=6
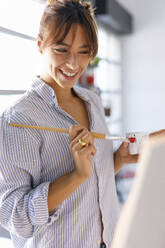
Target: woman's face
x=65, y=62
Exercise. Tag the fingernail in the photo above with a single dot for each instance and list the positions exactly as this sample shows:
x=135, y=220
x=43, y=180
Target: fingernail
x=125, y=144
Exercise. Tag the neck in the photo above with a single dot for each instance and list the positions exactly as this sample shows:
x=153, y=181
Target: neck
x=62, y=94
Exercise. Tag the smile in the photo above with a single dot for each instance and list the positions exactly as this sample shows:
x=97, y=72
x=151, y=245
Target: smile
x=68, y=75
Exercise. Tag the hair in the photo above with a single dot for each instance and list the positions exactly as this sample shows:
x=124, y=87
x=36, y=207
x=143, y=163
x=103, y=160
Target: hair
x=58, y=17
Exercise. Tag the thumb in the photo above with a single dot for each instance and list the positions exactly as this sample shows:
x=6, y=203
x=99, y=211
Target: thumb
x=125, y=144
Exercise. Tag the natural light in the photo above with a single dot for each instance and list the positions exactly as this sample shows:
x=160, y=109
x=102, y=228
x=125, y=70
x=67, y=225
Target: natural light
x=19, y=60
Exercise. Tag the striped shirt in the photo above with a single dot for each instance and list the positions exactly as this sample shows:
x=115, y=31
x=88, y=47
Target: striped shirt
x=31, y=159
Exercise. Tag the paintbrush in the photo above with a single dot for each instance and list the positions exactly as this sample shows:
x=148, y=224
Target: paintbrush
x=62, y=130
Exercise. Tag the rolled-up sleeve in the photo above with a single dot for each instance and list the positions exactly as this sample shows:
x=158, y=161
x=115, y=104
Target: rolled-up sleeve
x=23, y=199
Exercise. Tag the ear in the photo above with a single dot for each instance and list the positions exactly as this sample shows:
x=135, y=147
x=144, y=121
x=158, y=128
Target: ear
x=39, y=44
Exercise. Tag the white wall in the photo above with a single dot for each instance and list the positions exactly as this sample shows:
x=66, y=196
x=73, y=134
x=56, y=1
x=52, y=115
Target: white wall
x=144, y=67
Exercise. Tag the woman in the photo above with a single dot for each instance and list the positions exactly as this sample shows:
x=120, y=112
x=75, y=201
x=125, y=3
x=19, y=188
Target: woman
x=58, y=190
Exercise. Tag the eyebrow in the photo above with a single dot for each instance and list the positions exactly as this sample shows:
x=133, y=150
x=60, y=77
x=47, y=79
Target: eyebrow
x=65, y=44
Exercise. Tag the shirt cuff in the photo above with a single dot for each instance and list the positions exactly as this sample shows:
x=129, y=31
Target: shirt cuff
x=38, y=205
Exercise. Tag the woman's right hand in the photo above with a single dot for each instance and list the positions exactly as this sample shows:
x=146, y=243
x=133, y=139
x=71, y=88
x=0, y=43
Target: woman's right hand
x=82, y=155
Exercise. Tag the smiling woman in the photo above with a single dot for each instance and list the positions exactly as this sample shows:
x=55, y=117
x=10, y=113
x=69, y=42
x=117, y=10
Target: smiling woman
x=65, y=61
x=57, y=190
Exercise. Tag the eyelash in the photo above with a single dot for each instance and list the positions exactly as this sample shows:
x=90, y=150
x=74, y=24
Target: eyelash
x=61, y=50
x=65, y=51
x=84, y=52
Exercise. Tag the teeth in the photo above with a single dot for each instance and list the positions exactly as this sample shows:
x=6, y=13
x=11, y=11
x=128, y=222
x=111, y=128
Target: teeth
x=69, y=74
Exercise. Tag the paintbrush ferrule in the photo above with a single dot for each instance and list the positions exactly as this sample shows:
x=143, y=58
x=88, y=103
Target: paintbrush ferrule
x=118, y=138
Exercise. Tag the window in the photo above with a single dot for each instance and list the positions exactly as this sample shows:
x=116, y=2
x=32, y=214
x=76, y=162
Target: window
x=19, y=60
x=108, y=77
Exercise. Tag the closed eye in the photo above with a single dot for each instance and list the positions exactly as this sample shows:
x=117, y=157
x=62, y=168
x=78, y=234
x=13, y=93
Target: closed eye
x=61, y=50
x=84, y=52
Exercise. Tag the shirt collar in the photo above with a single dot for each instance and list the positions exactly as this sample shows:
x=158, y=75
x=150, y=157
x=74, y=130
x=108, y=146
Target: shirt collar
x=48, y=95
x=44, y=91
x=82, y=93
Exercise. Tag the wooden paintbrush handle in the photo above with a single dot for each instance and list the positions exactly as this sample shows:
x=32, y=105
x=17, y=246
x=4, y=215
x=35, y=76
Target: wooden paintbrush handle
x=53, y=129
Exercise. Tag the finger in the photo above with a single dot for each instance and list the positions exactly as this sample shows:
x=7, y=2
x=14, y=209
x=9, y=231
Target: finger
x=77, y=146
x=125, y=144
x=132, y=159
x=75, y=130
x=89, y=150
x=124, y=148
x=88, y=138
x=85, y=137
x=76, y=139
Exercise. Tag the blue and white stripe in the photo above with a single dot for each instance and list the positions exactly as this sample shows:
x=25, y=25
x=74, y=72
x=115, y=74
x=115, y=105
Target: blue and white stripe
x=31, y=159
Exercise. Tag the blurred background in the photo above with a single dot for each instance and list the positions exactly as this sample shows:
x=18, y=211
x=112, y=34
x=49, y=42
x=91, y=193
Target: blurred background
x=128, y=73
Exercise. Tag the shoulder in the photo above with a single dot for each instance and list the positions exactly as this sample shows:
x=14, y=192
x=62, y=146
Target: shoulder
x=20, y=110
x=19, y=113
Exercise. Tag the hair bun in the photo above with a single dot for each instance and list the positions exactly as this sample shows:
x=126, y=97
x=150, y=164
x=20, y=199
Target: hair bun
x=85, y=3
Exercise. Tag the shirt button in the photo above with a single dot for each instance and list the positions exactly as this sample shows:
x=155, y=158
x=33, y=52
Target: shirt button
x=103, y=245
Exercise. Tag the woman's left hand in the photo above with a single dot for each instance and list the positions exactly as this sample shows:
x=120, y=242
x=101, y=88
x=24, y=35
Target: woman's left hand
x=122, y=155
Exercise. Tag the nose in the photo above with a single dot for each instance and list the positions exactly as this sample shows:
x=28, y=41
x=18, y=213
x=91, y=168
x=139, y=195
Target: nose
x=72, y=62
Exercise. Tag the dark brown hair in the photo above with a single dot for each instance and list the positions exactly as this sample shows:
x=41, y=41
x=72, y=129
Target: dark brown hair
x=58, y=18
